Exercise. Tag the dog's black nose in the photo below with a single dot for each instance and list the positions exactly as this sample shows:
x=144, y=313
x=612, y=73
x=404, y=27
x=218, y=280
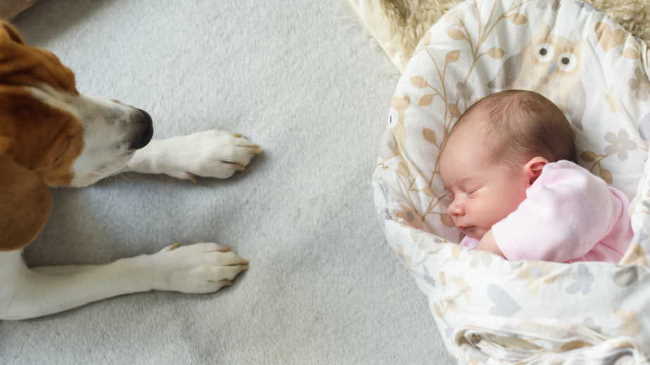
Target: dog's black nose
x=144, y=130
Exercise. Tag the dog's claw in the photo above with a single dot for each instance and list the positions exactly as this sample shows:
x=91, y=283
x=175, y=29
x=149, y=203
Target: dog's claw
x=174, y=246
x=224, y=248
x=236, y=166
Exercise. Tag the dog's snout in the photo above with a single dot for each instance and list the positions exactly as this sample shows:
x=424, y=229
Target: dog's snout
x=144, y=130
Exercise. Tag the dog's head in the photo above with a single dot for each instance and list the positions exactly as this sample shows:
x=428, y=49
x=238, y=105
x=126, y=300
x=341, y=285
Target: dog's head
x=48, y=127
x=51, y=135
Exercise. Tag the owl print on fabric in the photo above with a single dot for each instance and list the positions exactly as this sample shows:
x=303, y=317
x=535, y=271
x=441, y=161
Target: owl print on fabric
x=551, y=66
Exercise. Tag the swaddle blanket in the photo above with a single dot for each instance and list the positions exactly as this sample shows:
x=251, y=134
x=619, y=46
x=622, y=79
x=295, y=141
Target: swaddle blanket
x=490, y=310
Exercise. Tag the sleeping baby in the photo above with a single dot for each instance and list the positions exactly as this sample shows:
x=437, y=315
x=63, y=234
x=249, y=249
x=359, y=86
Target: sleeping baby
x=509, y=165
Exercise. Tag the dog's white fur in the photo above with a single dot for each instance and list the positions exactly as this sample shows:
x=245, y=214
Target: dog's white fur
x=29, y=293
x=198, y=268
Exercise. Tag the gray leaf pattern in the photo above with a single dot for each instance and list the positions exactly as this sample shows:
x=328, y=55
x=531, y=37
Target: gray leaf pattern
x=504, y=305
x=427, y=277
x=582, y=281
x=626, y=276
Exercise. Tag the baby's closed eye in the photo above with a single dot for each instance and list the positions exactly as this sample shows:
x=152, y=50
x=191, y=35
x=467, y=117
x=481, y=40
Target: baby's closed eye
x=449, y=195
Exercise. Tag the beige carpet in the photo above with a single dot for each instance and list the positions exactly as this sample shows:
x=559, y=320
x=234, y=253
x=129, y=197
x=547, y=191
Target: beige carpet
x=398, y=25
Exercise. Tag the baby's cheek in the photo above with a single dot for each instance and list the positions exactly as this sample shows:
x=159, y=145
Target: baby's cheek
x=499, y=209
x=510, y=206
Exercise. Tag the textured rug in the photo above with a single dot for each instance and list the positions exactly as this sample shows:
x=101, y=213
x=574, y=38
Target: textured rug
x=323, y=286
x=398, y=25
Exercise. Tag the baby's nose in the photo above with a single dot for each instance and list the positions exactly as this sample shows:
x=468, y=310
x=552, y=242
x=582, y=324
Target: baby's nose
x=455, y=209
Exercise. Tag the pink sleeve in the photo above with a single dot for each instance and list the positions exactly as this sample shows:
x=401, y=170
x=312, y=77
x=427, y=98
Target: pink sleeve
x=567, y=211
x=469, y=242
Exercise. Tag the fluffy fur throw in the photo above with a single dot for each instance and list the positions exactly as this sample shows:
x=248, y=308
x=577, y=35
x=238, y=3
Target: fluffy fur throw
x=11, y=8
x=398, y=24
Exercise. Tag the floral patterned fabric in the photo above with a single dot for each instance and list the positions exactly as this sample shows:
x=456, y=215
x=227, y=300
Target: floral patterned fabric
x=490, y=310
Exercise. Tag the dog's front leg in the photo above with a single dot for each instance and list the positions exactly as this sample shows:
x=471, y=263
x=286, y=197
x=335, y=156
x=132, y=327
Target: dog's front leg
x=211, y=153
x=29, y=293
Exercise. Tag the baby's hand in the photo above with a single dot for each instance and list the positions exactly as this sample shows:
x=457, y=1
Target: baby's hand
x=487, y=243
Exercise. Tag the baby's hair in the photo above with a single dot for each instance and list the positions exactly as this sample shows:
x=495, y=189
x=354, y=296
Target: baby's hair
x=522, y=124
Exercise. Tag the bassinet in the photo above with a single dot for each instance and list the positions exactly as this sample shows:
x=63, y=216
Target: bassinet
x=489, y=310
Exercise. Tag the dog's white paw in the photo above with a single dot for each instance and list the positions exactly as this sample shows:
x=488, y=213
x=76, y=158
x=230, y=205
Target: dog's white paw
x=197, y=268
x=212, y=153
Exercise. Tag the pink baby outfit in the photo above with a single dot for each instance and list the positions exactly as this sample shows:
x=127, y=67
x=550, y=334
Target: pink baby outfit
x=568, y=215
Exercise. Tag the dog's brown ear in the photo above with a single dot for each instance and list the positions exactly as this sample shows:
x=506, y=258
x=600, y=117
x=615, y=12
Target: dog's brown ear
x=25, y=204
x=8, y=32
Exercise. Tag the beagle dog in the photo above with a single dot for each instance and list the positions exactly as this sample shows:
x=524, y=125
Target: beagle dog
x=50, y=136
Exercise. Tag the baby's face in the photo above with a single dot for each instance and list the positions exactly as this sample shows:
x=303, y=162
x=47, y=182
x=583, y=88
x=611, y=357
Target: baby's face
x=483, y=191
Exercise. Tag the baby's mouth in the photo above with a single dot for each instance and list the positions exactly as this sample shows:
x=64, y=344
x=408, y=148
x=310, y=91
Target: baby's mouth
x=467, y=230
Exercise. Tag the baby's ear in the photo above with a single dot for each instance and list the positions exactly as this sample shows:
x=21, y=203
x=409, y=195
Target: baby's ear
x=534, y=167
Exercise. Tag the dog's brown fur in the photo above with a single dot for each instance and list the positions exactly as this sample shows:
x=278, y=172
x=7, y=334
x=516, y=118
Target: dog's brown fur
x=38, y=143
